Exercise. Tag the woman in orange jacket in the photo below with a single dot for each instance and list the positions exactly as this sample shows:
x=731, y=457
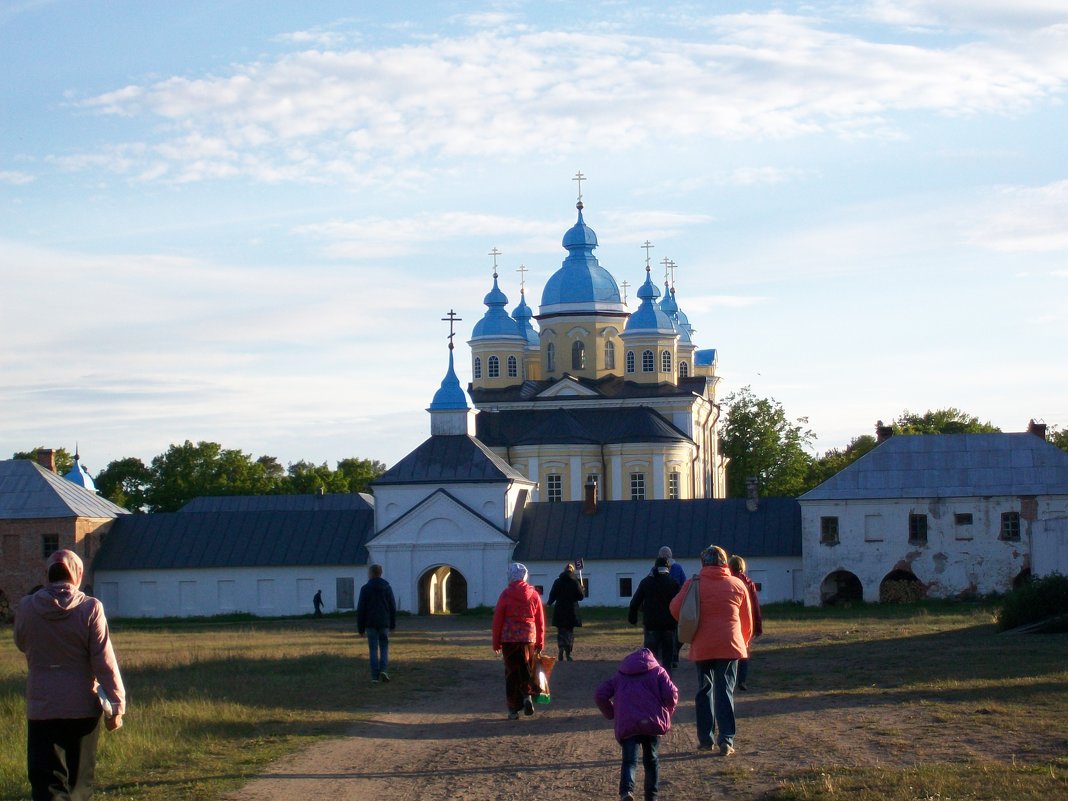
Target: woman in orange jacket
x=518, y=632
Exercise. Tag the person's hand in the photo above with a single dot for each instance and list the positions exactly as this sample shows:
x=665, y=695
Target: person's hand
x=496, y=651
x=113, y=723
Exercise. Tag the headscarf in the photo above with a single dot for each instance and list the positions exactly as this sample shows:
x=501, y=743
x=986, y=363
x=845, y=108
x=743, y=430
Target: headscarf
x=714, y=555
x=665, y=553
x=517, y=572
x=72, y=562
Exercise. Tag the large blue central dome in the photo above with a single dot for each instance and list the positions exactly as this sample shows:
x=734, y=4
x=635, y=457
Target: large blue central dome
x=581, y=284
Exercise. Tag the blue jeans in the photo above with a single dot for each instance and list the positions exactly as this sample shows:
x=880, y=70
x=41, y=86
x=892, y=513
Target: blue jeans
x=378, y=642
x=650, y=744
x=662, y=644
x=715, y=701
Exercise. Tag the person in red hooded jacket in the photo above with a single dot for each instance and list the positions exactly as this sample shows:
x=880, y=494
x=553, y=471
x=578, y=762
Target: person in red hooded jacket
x=73, y=677
x=518, y=633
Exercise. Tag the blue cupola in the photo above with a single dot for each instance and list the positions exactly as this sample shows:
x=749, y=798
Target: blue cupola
x=649, y=315
x=80, y=475
x=449, y=413
x=522, y=316
x=581, y=284
x=450, y=394
x=495, y=322
x=671, y=308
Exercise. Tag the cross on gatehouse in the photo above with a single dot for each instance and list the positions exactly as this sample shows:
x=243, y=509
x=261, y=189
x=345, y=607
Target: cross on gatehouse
x=452, y=319
x=580, y=178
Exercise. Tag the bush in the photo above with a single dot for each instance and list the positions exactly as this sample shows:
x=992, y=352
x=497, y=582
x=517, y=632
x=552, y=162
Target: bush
x=1035, y=600
x=901, y=591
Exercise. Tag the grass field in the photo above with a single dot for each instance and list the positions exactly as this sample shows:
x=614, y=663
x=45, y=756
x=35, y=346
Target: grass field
x=214, y=702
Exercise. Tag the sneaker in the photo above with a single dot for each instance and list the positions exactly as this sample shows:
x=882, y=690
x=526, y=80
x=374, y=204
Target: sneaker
x=706, y=746
x=725, y=749
x=374, y=681
x=528, y=706
x=384, y=676
x=513, y=716
x=627, y=797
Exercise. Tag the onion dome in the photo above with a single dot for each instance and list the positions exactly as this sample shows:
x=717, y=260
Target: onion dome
x=450, y=395
x=649, y=316
x=495, y=322
x=80, y=475
x=522, y=316
x=581, y=284
x=671, y=309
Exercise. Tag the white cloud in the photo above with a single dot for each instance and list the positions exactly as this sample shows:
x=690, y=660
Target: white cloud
x=15, y=177
x=1026, y=220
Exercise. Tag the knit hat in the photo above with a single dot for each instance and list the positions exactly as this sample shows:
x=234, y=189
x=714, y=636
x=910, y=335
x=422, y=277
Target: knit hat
x=665, y=552
x=71, y=561
x=714, y=555
x=517, y=572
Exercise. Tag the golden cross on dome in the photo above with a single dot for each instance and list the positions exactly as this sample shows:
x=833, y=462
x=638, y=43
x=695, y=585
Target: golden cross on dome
x=452, y=319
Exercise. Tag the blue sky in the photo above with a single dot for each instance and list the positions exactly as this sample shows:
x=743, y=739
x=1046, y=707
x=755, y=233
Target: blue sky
x=242, y=221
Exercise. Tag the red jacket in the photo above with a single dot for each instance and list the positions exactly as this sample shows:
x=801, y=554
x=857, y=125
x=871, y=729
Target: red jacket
x=726, y=623
x=519, y=616
x=754, y=603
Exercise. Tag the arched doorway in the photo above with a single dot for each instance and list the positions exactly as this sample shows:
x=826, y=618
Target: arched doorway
x=841, y=587
x=442, y=591
x=901, y=587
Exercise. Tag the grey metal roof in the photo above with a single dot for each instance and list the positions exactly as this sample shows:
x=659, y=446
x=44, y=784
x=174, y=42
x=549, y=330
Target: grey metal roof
x=596, y=426
x=950, y=466
x=178, y=540
x=334, y=501
x=637, y=529
x=610, y=386
x=29, y=491
x=452, y=459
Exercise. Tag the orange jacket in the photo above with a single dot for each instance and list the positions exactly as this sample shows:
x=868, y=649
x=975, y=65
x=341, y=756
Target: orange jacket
x=519, y=616
x=726, y=623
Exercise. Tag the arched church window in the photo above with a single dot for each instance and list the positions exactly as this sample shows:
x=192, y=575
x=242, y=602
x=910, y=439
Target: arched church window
x=609, y=355
x=665, y=361
x=550, y=357
x=630, y=361
x=477, y=371
x=493, y=367
x=684, y=369
x=578, y=356
x=513, y=367
x=648, y=361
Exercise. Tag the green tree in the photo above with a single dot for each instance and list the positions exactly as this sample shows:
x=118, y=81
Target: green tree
x=761, y=441
x=359, y=473
x=64, y=460
x=125, y=482
x=835, y=460
x=190, y=471
x=1059, y=437
x=942, y=421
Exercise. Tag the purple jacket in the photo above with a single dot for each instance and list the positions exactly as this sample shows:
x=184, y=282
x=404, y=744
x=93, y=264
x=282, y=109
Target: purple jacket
x=640, y=697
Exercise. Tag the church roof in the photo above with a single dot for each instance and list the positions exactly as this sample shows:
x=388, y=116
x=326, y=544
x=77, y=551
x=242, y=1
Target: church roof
x=449, y=395
x=575, y=426
x=581, y=282
x=328, y=502
x=450, y=459
x=268, y=538
x=637, y=529
x=950, y=466
x=29, y=491
x=79, y=474
x=496, y=322
x=610, y=386
x=649, y=316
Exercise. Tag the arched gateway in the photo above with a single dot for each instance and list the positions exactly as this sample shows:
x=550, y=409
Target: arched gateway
x=442, y=591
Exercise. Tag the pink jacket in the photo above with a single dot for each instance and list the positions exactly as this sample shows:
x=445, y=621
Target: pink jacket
x=641, y=697
x=726, y=624
x=64, y=634
x=519, y=616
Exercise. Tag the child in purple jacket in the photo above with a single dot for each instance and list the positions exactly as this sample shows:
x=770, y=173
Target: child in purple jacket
x=641, y=698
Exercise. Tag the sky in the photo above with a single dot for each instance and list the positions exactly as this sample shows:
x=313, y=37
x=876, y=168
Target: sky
x=243, y=221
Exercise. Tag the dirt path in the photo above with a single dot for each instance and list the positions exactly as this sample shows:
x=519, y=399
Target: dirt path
x=459, y=745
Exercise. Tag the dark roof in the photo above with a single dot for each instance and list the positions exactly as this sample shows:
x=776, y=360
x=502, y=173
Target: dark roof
x=637, y=529
x=452, y=459
x=610, y=386
x=333, y=501
x=597, y=426
x=29, y=491
x=178, y=540
x=950, y=466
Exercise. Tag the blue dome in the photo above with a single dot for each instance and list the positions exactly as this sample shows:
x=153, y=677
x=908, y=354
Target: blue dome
x=450, y=395
x=496, y=322
x=668, y=304
x=649, y=316
x=671, y=308
x=522, y=316
x=581, y=284
x=80, y=475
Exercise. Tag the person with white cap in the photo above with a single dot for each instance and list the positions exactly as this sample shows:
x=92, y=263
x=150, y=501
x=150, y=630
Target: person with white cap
x=519, y=634
x=73, y=677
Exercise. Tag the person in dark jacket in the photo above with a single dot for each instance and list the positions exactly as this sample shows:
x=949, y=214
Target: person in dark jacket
x=376, y=616
x=737, y=566
x=653, y=597
x=317, y=602
x=564, y=598
x=679, y=575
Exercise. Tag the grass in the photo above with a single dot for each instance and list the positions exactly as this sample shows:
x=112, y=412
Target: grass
x=215, y=701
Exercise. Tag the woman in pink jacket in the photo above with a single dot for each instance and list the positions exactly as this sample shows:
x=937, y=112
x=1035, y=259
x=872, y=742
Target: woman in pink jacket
x=518, y=633
x=73, y=676
x=723, y=632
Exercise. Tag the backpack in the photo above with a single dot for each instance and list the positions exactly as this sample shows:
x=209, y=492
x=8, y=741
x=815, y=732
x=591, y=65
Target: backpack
x=690, y=611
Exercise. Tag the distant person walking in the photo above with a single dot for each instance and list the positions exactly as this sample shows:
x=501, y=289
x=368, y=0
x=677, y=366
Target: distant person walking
x=317, y=602
x=641, y=698
x=679, y=575
x=737, y=566
x=564, y=598
x=653, y=597
x=518, y=634
x=723, y=633
x=72, y=673
x=376, y=616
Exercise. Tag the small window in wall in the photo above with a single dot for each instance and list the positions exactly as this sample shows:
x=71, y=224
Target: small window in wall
x=554, y=487
x=918, y=529
x=674, y=485
x=828, y=531
x=578, y=356
x=593, y=478
x=49, y=545
x=684, y=369
x=609, y=355
x=493, y=367
x=539, y=588
x=1010, y=526
x=637, y=486
x=962, y=518
x=346, y=592
x=626, y=589
x=648, y=361
x=476, y=371
x=873, y=528
x=665, y=361
x=513, y=367
x=630, y=361
x=550, y=357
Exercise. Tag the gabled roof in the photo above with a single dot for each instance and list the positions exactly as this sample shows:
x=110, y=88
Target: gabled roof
x=450, y=459
x=330, y=502
x=575, y=426
x=950, y=466
x=610, y=386
x=193, y=540
x=29, y=491
x=637, y=529
x=434, y=498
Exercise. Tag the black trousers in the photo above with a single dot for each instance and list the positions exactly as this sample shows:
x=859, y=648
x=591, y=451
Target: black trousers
x=61, y=758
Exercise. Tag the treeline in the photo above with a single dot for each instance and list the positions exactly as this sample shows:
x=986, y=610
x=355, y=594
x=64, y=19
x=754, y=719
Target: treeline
x=189, y=471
